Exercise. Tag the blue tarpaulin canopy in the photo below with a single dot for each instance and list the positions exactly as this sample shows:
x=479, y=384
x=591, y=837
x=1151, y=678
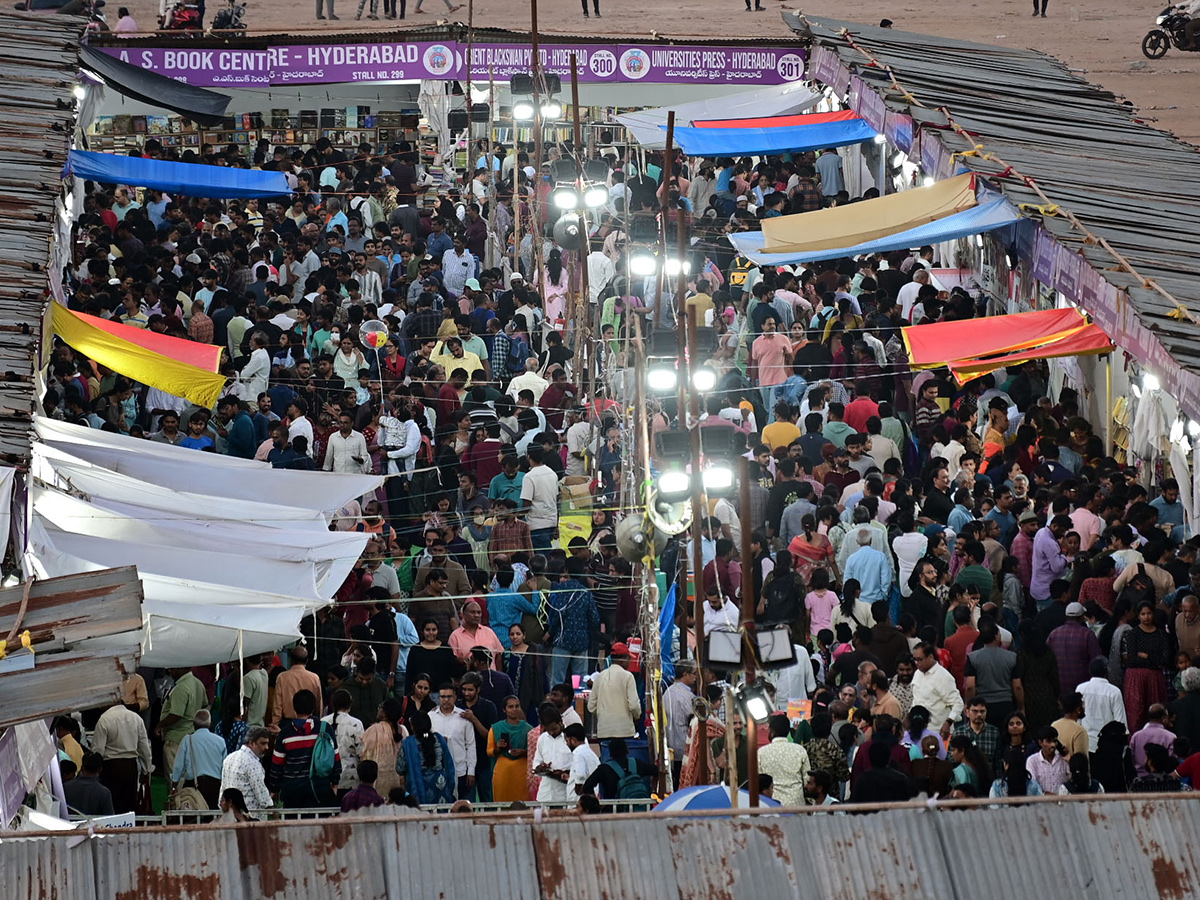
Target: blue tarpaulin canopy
x=979, y=219
x=189, y=179
x=735, y=141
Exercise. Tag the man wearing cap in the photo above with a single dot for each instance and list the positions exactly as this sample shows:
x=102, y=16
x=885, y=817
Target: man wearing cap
x=1074, y=646
x=614, y=698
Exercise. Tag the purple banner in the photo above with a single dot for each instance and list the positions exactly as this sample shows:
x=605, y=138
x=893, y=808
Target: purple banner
x=1043, y=257
x=1066, y=276
x=898, y=128
x=825, y=66
x=869, y=105
x=12, y=785
x=1089, y=287
x=286, y=64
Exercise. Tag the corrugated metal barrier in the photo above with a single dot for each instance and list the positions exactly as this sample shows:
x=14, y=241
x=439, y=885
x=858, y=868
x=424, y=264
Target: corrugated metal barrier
x=1130, y=847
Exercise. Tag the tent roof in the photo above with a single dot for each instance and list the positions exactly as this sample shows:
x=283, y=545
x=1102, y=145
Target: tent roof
x=779, y=100
x=983, y=218
x=930, y=346
x=797, y=138
x=1089, y=153
x=858, y=223
x=202, y=106
x=194, y=353
x=189, y=179
x=842, y=115
x=1090, y=340
x=137, y=360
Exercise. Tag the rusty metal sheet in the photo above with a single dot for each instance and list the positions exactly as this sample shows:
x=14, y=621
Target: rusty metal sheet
x=602, y=857
x=180, y=864
x=882, y=855
x=444, y=857
x=735, y=859
x=45, y=868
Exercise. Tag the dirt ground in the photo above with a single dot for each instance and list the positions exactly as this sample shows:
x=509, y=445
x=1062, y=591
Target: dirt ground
x=1102, y=42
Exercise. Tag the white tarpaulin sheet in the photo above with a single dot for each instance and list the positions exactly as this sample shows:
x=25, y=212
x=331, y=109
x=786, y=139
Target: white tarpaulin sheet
x=332, y=553
x=61, y=469
x=781, y=100
x=296, y=580
x=181, y=469
x=184, y=626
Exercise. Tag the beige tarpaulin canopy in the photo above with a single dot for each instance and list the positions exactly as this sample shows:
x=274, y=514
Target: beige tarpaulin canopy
x=858, y=223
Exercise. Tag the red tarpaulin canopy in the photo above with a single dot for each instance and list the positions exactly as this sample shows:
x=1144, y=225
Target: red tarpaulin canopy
x=203, y=356
x=930, y=346
x=844, y=115
x=1090, y=340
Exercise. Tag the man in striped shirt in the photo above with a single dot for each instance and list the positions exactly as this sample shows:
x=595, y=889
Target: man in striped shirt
x=290, y=775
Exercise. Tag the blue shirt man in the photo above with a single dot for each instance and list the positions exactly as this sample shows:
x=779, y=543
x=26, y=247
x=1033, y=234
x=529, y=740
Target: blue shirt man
x=200, y=753
x=869, y=567
x=507, y=485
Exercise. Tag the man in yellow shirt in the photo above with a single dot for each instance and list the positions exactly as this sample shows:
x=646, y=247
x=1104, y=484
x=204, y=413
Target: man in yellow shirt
x=1072, y=735
x=783, y=430
x=453, y=356
x=702, y=303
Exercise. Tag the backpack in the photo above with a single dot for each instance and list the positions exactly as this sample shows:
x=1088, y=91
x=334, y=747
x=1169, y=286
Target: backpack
x=631, y=786
x=1140, y=587
x=518, y=352
x=324, y=754
x=739, y=272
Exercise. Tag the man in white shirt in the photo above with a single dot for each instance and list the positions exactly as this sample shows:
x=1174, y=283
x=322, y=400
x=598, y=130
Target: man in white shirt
x=306, y=263
x=580, y=441
x=243, y=769
x=614, y=698
x=347, y=451
x=584, y=760
x=458, y=265
x=907, y=296
x=539, y=498
x=530, y=381
x=552, y=759
x=719, y=613
x=1102, y=701
x=120, y=737
x=448, y=721
x=299, y=424
x=934, y=688
x=255, y=374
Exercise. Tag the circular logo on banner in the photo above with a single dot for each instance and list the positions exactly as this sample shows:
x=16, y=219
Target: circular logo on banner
x=439, y=59
x=635, y=64
x=603, y=63
x=791, y=67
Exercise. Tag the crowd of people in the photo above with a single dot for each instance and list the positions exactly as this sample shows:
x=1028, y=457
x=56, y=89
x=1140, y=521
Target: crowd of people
x=982, y=600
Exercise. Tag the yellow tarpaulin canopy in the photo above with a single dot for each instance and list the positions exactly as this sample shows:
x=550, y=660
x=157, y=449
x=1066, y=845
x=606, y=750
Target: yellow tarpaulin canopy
x=870, y=220
x=128, y=359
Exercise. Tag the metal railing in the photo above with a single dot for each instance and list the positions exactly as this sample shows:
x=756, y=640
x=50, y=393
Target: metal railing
x=279, y=813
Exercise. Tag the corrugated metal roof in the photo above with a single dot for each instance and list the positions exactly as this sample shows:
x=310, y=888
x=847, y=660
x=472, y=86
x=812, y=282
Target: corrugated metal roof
x=62, y=616
x=39, y=60
x=452, y=31
x=1085, y=149
x=1126, y=848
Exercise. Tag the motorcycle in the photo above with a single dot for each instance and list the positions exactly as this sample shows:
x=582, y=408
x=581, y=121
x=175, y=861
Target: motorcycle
x=1169, y=30
x=183, y=16
x=231, y=20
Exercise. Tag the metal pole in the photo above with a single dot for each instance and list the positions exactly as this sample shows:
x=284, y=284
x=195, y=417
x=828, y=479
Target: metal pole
x=662, y=280
x=583, y=300
x=749, y=608
x=882, y=180
x=1108, y=418
x=535, y=205
x=731, y=748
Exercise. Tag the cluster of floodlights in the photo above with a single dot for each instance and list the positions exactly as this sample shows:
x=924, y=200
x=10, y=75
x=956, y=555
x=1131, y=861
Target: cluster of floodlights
x=523, y=109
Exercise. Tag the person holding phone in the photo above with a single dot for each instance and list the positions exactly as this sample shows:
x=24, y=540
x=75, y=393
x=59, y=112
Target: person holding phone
x=347, y=451
x=508, y=747
x=552, y=759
